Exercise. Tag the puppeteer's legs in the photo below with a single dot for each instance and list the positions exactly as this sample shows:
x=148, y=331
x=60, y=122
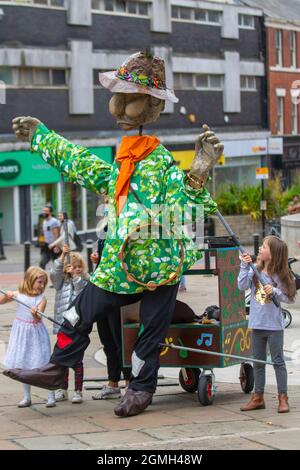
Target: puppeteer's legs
x=155, y=314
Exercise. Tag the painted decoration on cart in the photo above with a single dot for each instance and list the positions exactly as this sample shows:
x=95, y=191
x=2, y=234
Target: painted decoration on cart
x=232, y=300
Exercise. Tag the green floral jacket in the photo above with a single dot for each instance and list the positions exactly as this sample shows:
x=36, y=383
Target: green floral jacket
x=156, y=180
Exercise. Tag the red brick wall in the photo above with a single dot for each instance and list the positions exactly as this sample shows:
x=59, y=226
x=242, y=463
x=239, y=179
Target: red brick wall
x=278, y=79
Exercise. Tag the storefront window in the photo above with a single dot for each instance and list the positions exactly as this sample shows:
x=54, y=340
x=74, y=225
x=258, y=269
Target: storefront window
x=237, y=170
x=41, y=195
x=73, y=203
x=93, y=209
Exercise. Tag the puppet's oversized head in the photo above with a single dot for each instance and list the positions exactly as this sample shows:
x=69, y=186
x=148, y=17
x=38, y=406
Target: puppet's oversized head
x=139, y=88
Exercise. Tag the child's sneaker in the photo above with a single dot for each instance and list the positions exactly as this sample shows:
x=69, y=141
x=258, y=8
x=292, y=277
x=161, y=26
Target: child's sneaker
x=61, y=395
x=51, y=403
x=77, y=398
x=107, y=392
x=24, y=403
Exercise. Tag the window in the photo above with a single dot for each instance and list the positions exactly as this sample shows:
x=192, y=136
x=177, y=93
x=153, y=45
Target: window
x=191, y=14
x=294, y=118
x=246, y=21
x=138, y=8
x=280, y=126
x=189, y=81
x=6, y=75
x=248, y=83
x=278, y=41
x=49, y=3
x=34, y=77
x=211, y=82
x=293, y=49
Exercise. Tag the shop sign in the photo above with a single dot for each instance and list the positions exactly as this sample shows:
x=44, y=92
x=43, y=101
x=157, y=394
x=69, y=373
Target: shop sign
x=9, y=169
x=25, y=168
x=262, y=173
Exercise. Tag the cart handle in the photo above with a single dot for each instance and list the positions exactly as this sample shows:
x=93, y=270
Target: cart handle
x=212, y=353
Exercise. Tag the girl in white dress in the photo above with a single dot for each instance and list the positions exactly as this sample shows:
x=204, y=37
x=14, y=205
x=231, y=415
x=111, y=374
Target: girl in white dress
x=29, y=342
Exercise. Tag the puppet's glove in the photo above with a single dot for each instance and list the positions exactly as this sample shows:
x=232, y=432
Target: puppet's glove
x=24, y=127
x=208, y=150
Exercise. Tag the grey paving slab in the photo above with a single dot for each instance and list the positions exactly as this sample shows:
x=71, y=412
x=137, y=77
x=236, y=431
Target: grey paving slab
x=102, y=440
x=63, y=442
x=62, y=425
x=210, y=429
x=284, y=440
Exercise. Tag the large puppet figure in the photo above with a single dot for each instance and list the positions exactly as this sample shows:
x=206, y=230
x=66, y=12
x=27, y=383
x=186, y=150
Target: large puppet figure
x=142, y=174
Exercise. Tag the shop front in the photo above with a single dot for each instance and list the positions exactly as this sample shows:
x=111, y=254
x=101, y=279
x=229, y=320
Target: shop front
x=291, y=159
x=27, y=184
x=239, y=163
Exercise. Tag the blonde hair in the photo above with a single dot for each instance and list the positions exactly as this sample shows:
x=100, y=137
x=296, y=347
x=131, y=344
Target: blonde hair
x=30, y=276
x=76, y=258
x=279, y=265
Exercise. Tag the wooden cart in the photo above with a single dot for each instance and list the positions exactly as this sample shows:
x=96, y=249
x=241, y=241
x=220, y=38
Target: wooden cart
x=230, y=335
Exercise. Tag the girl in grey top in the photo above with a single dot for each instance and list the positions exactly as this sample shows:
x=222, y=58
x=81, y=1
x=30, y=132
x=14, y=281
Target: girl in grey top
x=265, y=318
x=68, y=280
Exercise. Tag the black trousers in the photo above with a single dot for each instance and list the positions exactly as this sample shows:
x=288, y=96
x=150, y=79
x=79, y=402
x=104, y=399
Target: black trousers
x=94, y=303
x=47, y=255
x=109, y=331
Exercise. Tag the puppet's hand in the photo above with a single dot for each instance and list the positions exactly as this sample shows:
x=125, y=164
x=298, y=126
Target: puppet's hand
x=24, y=127
x=208, y=150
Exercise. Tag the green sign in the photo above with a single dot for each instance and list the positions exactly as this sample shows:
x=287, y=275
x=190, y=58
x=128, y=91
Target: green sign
x=9, y=169
x=25, y=168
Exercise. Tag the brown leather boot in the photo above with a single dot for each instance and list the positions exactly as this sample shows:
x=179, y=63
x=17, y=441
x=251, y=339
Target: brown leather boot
x=283, y=406
x=51, y=376
x=257, y=402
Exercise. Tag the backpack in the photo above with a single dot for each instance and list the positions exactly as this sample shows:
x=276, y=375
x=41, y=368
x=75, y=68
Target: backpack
x=78, y=242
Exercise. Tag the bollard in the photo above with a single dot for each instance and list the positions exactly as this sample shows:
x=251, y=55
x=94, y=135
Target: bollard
x=2, y=255
x=256, y=243
x=89, y=251
x=27, y=246
x=207, y=259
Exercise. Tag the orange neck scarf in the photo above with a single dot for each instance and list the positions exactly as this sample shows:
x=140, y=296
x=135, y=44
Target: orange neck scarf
x=132, y=150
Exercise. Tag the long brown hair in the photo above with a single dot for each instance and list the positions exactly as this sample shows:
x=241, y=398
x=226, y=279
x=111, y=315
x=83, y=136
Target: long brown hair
x=31, y=275
x=278, y=265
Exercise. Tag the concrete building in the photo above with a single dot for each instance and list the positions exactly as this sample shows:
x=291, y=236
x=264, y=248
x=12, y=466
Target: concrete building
x=51, y=52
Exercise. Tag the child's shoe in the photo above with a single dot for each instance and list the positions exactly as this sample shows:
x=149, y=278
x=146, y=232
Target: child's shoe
x=51, y=403
x=77, y=398
x=61, y=395
x=24, y=403
x=107, y=392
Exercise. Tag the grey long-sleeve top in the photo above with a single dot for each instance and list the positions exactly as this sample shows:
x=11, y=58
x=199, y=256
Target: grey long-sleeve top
x=66, y=290
x=264, y=315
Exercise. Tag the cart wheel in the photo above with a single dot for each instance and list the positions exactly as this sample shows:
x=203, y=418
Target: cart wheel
x=287, y=317
x=190, y=383
x=246, y=377
x=206, y=392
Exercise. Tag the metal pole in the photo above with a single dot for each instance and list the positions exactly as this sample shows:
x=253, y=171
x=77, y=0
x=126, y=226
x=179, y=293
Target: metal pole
x=89, y=251
x=27, y=246
x=64, y=211
x=28, y=306
x=242, y=250
x=256, y=243
x=2, y=255
x=212, y=353
x=263, y=212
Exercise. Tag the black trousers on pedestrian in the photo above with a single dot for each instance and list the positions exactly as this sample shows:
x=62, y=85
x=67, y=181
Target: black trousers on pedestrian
x=94, y=303
x=109, y=331
x=47, y=255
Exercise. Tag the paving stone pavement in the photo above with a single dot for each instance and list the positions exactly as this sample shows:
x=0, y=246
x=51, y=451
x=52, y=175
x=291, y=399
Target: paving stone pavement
x=175, y=420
